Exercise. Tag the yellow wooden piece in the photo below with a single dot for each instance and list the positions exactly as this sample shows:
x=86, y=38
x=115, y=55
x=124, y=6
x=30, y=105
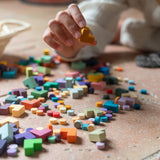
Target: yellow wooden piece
x=62, y=121
x=53, y=120
x=9, y=120
x=75, y=118
x=34, y=110
x=60, y=106
x=3, y=62
x=46, y=52
x=66, y=93
x=81, y=115
x=67, y=107
x=63, y=95
x=84, y=87
x=99, y=104
x=60, y=101
x=16, y=110
x=55, y=131
x=86, y=36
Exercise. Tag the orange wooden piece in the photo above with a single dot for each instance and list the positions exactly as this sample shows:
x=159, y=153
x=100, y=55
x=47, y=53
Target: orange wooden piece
x=42, y=99
x=49, y=126
x=39, y=113
x=86, y=36
x=116, y=100
x=99, y=104
x=119, y=69
x=69, y=133
x=46, y=79
x=35, y=103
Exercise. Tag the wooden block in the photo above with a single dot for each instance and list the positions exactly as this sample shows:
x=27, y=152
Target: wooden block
x=56, y=131
x=69, y=133
x=42, y=99
x=30, y=83
x=39, y=113
x=91, y=127
x=61, y=102
x=81, y=115
x=68, y=107
x=44, y=70
x=53, y=120
x=74, y=119
x=49, y=126
x=60, y=106
x=62, y=121
x=86, y=37
x=37, y=94
x=98, y=135
x=63, y=110
x=30, y=104
x=9, y=120
x=29, y=72
x=17, y=110
x=99, y=104
x=34, y=110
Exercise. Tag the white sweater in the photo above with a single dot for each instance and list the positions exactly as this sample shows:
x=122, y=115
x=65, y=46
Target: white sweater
x=102, y=18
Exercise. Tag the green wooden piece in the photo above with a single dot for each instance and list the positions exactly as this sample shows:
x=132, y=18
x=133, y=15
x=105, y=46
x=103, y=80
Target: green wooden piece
x=106, y=96
x=98, y=135
x=47, y=59
x=38, y=61
x=31, y=145
x=97, y=112
x=37, y=94
x=30, y=82
x=29, y=72
x=11, y=99
x=93, y=112
x=52, y=139
x=111, y=80
x=48, y=85
x=119, y=91
x=44, y=70
x=78, y=65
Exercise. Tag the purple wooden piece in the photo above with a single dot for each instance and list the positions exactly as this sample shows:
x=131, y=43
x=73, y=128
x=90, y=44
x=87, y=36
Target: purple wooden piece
x=58, y=137
x=50, y=89
x=51, y=95
x=104, y=109
x=88, y=84
x=39, y=80
x=109, y=116
x=81, y=83
x=126, y=101
x=15, y=146
x=19, y=92
x=4, y=110
x=109, y=112
x=28, y=129
x=61, y=82
x=19, y=138
x=12, y=152
x=100, y=145
x=42, y=108
x=126, y=107
x=56, y=104
x=3, y=146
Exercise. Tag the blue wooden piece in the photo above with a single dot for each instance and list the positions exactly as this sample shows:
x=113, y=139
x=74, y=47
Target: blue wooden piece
x=137, y=106
x=131, y=88
x=143, y=91
x=104, y=70
x=97, y=120
x=3, y=146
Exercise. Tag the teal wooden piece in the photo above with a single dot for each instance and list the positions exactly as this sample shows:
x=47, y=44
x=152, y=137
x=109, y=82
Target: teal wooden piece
x=54, y=99
x=52, y=139
x=111, y=80
x=143, y=91
x=131, y=88
x=111, y=106
x=11, y=99
x=9, y=74
x=30, y=83
x=78, y=65
x=97, y=120
x=85, y=127
x=48, y=85
x=6, y=133
x=47, y=59
x=37, y=94
x=106, y=96
x=31, y=145
x=104, y=119
x=44, y=70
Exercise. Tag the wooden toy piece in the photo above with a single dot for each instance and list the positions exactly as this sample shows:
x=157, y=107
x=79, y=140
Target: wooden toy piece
x=56, y=114
x=50, y=113
x=131, y=88
x=46, y=59
x=34, y=110
x=3, y=146
x=32, y=145
x=106, y=96
x=68, y=107
x=119, y=79
x=37, y=94
x=19, y=92
x=9, y=74
x=126, y=101
x=63, y=95
x=99, y=104
x=11, y=152
x=81, y=116
x=86, y=37
x=119, y=91
x=78, y=124
x=30, y=83
x=74, y=119
x=4, y=110
x=56, y=92
x=70, y=112
x=60, y=106
x=63, y=110
x=29, y=72
x=69, y=82
x=116, y=99
x=30, y=104
x=52, y=139
x=78, y=65
x=19, y=138
x=48, y=85
x=143, y=91
x=99, y=85
x=39, y=113
x=89, y=112
x=84, y=87
x=49, y=126
x=72, y=74
x=98, y=135
x=110, y=80
x=88, y=122
x=109, y=91
x=100, y=145
x=61, y=102
x=6, y=133
x=44, y=70
x=62, y=121
x=103, y=119
x=125, y=79
x=111, y=106
x=11, y=99
x=120, y=69
x=85, y=126
x=9, y=120
x=91, y=127
x=39, y=128
x=42, y=133
x=53, y=120
x=56, y=131
x=46, y=79
x=17, y=110
x=69, y=133
x=95, y=77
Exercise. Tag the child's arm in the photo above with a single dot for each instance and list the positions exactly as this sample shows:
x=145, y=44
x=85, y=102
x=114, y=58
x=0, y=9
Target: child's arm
x=101, y=17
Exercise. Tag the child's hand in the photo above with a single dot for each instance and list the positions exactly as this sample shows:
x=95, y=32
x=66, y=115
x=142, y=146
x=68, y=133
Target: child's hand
x=64, y=32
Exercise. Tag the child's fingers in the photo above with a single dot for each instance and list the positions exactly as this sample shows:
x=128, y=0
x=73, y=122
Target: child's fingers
x=61, y=33
x=77, y=15
x=49, y=38
x=64, y=18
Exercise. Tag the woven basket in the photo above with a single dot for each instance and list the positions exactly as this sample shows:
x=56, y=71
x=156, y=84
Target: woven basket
x=6, y=33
